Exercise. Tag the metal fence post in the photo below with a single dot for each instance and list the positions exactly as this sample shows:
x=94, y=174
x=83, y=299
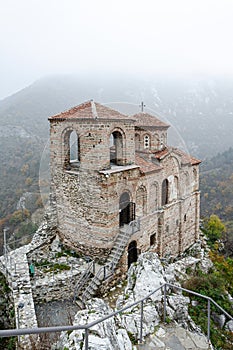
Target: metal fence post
x=141, y=321
x=208, y=325
x=17, y=325
x=164, y=303
x=86, y=338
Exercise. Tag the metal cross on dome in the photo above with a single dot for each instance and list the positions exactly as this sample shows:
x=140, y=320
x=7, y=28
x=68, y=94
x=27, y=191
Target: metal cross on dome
x=142, y=105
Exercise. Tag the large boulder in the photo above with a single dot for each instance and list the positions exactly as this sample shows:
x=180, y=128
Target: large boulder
x=103, y=336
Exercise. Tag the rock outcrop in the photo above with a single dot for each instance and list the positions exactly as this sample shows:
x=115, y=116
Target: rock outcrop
x=123, y=331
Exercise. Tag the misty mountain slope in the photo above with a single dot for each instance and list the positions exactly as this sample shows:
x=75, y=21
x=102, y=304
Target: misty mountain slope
x=202, y=111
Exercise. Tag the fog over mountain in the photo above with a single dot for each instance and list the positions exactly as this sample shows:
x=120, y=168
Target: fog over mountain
x=200, y=109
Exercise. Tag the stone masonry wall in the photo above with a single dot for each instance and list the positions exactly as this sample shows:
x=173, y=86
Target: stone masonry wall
x=87, y=196
x=94, y=138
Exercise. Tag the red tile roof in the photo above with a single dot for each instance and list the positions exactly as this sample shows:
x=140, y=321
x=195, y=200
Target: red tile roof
x=146, y=166
x=94, y=110
x=195, y=161
x=145, y=119
x=185, y=158
x=161, y=154
x=90, y=110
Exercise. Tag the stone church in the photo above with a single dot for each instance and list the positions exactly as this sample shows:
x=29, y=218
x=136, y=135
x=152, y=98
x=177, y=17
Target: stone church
x=114, y=175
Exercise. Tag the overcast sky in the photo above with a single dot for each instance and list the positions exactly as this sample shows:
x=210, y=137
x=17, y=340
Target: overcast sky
x=42, y=37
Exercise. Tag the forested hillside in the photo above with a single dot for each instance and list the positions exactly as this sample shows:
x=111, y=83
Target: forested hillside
x=216, y=184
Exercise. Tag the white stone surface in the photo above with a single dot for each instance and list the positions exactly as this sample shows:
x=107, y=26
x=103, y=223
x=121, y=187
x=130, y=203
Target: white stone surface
x=229, y=325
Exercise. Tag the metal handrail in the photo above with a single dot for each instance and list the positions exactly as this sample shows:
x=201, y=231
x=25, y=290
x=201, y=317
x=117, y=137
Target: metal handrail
x=84, y=277
x=24, y=331
x=135, y=223
x=101, y=274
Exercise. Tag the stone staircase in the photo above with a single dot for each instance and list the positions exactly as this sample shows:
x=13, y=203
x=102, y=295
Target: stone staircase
x=90, y=280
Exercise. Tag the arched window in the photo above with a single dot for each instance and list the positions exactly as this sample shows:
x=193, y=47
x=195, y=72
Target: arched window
x=74, y=147
x=164, y=192
x=126, y=209
x=116, y=148
x=71, y=149
x=146, y=141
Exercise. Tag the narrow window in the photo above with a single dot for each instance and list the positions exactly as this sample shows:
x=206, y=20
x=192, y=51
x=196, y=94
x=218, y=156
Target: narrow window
x=146, y=141
x=71, y=150
x=162, y=141
x=165, y=192
x=116, y=148
x=152, y=239
x=74, y=147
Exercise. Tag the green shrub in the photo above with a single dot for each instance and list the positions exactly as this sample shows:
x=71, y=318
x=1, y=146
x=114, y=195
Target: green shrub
x=211, y=285
x=132, y=338
x=57, y=267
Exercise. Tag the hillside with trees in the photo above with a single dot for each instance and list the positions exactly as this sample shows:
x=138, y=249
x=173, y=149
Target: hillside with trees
x=217, y=284
x=216, y=185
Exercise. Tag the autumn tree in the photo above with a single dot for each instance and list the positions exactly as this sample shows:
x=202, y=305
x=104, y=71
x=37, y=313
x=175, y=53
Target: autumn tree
x=214, y=229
